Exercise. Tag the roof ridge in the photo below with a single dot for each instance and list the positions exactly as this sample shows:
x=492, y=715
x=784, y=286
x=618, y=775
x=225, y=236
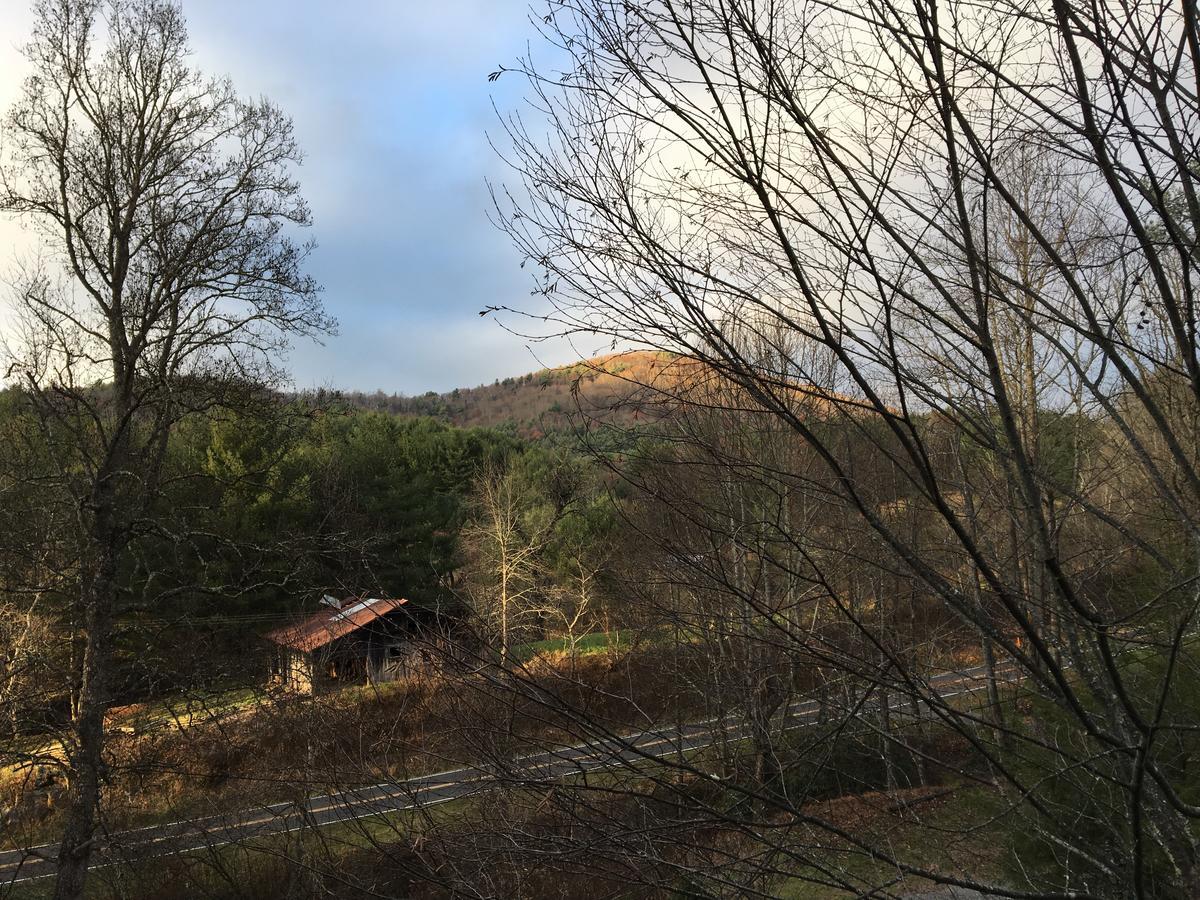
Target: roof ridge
x=322, y=627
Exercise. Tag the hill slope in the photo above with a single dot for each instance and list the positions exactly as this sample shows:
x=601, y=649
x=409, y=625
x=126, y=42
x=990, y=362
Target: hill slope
x=542, y=402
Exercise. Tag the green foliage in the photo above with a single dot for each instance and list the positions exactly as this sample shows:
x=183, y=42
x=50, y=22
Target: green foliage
x=261, y=513
x=539, y=539
x=375, y=501
x=594, y=642
x=1082, y=787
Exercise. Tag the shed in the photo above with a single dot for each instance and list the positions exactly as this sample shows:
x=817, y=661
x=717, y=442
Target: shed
x=354, y=640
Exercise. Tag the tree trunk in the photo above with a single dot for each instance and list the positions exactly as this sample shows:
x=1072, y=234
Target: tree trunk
x=995, y=708
x=766, y=700
x=504, y=621
x=86, y=757
x=885, y=739
x=918, y=758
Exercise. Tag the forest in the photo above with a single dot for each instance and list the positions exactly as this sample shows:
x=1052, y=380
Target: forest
x=259, y=516
x=865, y=564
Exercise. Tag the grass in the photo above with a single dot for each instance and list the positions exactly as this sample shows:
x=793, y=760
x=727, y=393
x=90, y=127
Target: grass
x=595, y=642
x=185, y=712
x=396, y=708
x=257, y=869
x=237, y=866
x=265, y=867
x=941, y=836
x=600, y=642
x=285, y=747
x=260, y=867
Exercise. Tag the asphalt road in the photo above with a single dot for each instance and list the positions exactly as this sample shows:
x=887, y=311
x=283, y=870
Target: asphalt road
x=415, y=793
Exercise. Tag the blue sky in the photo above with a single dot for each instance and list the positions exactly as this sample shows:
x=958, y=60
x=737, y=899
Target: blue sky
x=392, y=106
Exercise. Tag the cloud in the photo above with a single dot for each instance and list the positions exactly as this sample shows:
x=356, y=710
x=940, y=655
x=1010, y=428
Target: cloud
x=391, y=104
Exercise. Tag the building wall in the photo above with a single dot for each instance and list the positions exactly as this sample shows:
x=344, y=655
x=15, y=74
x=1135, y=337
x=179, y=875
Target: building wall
x=387, y=660
x=375, y=654
x=296, y=671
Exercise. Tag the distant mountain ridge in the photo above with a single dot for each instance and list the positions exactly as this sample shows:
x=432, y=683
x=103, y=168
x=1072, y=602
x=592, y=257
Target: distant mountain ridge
x=541, y=402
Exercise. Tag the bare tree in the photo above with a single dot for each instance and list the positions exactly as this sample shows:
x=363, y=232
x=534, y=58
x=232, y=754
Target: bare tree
x=987, y=217
x=165, y=202
x=507, y=537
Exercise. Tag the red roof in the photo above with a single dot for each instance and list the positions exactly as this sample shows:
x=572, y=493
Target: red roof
x=330, y=624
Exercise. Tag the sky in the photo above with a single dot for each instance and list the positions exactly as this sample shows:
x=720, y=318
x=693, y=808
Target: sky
x=393, y=109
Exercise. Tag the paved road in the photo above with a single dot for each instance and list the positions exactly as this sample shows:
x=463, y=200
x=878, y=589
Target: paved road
x=415, y=793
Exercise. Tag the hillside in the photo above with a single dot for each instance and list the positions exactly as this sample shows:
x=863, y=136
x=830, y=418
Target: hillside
x=605, y=389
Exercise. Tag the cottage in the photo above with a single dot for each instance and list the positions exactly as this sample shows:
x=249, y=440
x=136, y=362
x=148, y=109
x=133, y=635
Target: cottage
x=356, y=640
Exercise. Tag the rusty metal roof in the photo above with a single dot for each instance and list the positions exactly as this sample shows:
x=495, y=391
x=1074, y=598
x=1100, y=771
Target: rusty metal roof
x=328, y=625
